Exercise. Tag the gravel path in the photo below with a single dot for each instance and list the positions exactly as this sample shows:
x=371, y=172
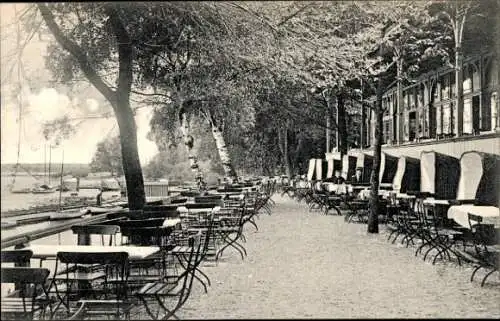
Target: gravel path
x=307, y=265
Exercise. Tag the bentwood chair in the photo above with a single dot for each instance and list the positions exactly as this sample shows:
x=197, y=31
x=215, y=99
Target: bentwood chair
x=30, y=298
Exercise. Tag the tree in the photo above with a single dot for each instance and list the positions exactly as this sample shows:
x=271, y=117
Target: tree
x=108, y=157
x=203, y=70
x=101, y=40
x=481, y=16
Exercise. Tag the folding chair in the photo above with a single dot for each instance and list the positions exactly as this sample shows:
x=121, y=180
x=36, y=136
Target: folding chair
x=102, y=230
x=79, y=284
x=169, y=297
x=486, y=246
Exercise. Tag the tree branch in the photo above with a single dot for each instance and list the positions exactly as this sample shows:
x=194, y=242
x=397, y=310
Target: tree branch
x=76, y=51
x=125, y=52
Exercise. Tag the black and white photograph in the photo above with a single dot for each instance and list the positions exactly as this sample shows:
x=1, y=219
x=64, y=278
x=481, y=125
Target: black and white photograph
x=172, y=160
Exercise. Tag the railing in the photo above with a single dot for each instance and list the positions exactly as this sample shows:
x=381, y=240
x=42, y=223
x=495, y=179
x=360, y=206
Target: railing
x=24, y=238
x=154, y=189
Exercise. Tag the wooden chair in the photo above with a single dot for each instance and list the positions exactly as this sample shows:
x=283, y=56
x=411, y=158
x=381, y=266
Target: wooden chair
x=31, y=296
x=18, y=257
x=169, y=297
x=208, y=199
x=98, y=229
x=179, y=200
x=486, y=246
x=78, y=286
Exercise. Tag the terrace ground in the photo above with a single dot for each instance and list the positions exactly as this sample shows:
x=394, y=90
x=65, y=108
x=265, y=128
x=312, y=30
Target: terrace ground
x=307, y=265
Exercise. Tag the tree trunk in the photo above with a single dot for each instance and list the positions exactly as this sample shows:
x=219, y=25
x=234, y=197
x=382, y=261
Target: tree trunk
x=342, y=126
x=328, y=125
x=225, y=158
x=374, y=178
x=459, y=88
x=189, y=142
x=130, y=156
x=297, y=155
x=283, y=144
x=399, y=103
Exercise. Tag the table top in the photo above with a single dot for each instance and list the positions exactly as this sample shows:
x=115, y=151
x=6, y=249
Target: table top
x=134, y=252
x=184, y=209
x=404, y=196
x=170, y=222
x=432, y=201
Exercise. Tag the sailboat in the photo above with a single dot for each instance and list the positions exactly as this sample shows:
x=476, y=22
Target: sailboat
x=45, y=188
x=64, y=214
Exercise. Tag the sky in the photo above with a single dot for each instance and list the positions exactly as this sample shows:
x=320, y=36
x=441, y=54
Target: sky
x=46, y=103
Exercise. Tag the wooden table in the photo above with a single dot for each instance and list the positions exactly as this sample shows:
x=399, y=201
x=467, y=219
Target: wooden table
x=50, y=251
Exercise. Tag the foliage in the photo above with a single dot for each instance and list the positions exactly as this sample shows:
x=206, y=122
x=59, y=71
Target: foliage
x=108, y=157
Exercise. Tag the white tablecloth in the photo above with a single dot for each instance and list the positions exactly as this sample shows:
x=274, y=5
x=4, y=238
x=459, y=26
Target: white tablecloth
x=404, y=196
x=134, y=252
x=169, y=222
x=459, y=213
x=432, y=201
x=184, y=209
x=338, y=188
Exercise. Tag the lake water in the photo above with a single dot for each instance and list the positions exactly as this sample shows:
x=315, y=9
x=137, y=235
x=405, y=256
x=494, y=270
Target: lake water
x=10, y=201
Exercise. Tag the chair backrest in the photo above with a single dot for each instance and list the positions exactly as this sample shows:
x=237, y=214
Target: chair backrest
x=162, y=213
x=178, y=200
x=98, y=229
x=18, y=257
x=115, y=264
x=160, y=208
x=147, y=235
x=137, y=215
x=152, y=222
x=189, y=193
x=191, y=266
x=474, y=220
x=201, y=205
x=28, y=281
x=111, y=258
x=24, y=275
x=483, y=234
x=208, y=199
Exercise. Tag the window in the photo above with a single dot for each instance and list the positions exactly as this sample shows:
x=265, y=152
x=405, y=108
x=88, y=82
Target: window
x=446, y=119
x=387, y=132
x=437, y=92
x=476, y=81
x=495, y=122
x=467, y=129
x=452, y=84
x=445, y=87
x=439, y=123
x=467, y=79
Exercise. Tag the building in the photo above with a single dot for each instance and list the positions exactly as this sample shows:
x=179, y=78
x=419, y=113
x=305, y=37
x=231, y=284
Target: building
x=426, y=114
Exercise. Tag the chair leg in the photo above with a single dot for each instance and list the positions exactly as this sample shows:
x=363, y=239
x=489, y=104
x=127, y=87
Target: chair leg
x=487, y=275
x=474, y=272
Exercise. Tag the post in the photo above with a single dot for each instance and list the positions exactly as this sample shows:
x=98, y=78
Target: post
x=50, y=160
x=399, y=104
x=337, y=140
x=362, y=127
x=458, y=113
x=83, y=239
x=328, y=130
